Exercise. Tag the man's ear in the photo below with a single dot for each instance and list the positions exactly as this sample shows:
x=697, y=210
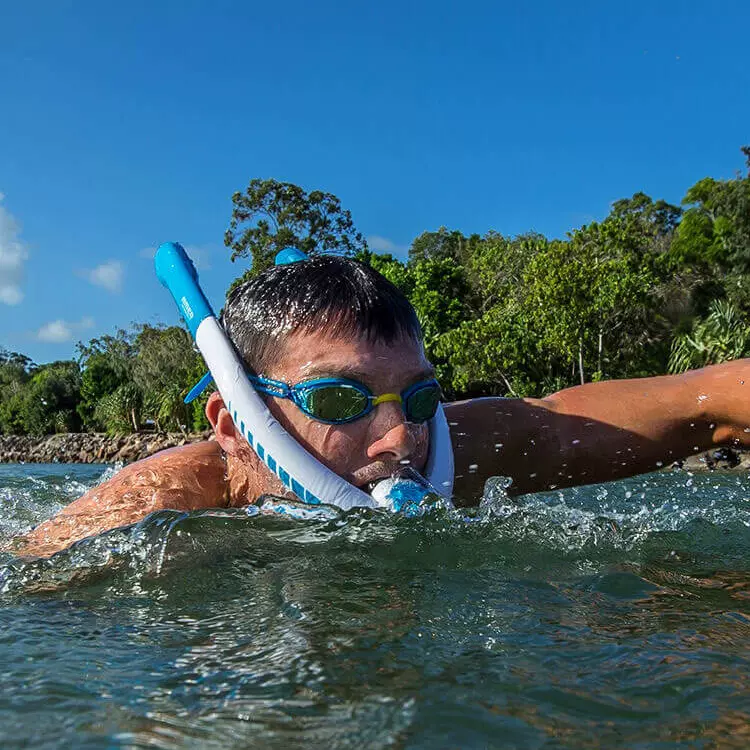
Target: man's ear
x=227, y=437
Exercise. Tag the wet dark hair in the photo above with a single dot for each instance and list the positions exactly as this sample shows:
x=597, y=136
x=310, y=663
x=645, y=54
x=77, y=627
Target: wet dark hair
x=339, y=296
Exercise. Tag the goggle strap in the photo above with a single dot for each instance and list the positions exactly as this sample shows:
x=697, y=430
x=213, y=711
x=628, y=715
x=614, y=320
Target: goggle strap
x=269, y=386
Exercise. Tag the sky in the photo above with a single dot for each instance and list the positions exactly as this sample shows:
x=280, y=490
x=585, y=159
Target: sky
x=124, y=126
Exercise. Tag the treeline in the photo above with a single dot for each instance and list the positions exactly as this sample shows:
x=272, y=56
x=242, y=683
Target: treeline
x=123, y=383
x=653, y=288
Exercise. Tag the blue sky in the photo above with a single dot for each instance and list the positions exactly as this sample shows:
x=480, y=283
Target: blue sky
x=125, y=126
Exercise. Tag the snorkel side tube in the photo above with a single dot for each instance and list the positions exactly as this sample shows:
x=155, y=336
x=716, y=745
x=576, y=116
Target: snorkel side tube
x=298, y=470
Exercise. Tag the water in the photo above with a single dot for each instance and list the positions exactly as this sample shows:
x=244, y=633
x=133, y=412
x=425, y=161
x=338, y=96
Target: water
x=608, y=616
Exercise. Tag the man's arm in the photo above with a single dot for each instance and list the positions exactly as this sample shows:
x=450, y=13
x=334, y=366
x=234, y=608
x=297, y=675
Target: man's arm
x=188, y=478
x=599, y=431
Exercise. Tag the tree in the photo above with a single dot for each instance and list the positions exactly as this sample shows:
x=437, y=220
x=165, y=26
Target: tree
x=716, y=226
x=271, y=215
x=441, y=296
x=106, y=363
x=120, y=411
x=163, y=370
x=50, y=398
x=442, y=244
x=15, y=371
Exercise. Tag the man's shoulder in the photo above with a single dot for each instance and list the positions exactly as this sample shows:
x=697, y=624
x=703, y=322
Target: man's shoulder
x=185, y=477
x=197, y=467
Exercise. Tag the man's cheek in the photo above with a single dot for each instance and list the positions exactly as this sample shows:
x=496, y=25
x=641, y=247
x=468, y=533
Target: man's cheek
x=336, y=445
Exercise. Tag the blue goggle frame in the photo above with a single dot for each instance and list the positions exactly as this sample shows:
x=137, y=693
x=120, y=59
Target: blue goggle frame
x=300, y=393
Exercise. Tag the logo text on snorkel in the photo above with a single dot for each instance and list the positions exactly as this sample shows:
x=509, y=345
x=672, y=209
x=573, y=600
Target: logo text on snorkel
x=187, y=309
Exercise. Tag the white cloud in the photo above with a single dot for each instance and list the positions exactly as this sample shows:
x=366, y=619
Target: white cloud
x=59, y=331
x=384, y=245
x=13, y=254
x=55, y=332
x=107, y=275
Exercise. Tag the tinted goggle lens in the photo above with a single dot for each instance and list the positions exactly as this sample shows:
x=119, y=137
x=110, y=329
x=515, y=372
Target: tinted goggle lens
x=423, y=403
x=335, y=403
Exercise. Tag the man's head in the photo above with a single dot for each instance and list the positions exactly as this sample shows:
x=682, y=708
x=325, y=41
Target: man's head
x=328, y=294
x=331, y=317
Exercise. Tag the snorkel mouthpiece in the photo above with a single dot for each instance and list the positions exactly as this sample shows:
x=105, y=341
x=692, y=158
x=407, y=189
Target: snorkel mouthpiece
x=406, y=492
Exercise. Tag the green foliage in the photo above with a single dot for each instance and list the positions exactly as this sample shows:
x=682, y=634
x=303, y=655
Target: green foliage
x=722, y=336
x=393, y=269
x=106, y=363
x=120, y=411
x=441, y=245
x=271, y=215
x=98, y=379
x=163, y=371
x=50, y=398
x=441, y=295
x=15, y=371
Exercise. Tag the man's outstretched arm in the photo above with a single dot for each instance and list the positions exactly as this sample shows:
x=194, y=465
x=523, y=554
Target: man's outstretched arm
x=599, y=431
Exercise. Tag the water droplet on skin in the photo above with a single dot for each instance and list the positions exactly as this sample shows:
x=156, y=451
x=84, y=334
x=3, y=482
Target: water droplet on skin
x=702, y=397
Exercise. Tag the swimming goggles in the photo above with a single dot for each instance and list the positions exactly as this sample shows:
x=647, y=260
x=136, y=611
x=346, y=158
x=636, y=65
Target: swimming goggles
x=339, y=400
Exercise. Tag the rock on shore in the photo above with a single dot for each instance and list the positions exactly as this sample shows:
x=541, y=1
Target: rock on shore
x=89, y=447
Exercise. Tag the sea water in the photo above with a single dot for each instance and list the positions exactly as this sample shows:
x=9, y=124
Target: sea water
x=607, y=616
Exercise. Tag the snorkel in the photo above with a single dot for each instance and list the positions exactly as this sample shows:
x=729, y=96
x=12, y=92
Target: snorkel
x=298, y=470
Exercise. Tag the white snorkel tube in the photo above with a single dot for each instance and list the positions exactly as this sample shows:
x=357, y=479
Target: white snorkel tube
x=298, y=470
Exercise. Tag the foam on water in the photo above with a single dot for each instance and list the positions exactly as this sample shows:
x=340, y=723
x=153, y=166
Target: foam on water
x=591, y=525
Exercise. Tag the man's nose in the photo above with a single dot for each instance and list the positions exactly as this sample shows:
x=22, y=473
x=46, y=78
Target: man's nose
x=393, y=437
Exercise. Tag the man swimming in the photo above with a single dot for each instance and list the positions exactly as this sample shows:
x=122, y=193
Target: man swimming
x=334, y=320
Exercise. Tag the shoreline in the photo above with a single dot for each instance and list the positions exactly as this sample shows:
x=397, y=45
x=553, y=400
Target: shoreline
x=98, y=447
x=91, y=447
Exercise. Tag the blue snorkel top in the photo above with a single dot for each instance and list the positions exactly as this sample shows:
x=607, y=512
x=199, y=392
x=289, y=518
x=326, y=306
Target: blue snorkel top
x=289, y=255
x=283, y=257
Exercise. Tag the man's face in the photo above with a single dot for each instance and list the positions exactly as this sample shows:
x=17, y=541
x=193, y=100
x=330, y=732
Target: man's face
x=375, y=445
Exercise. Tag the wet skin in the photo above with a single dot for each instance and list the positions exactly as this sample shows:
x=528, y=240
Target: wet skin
x=591, y=433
